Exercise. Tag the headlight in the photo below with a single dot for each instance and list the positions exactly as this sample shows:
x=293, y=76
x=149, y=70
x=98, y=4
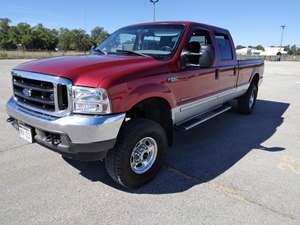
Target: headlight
x=90, y=100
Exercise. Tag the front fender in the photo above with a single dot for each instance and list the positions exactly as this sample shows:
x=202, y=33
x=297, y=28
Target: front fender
x=145, y=91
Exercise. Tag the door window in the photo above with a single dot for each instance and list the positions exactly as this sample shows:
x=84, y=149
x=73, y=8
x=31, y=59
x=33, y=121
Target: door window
x=224, y=45
x=198, y=50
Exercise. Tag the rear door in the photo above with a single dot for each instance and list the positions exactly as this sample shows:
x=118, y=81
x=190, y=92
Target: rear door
x=226, y=65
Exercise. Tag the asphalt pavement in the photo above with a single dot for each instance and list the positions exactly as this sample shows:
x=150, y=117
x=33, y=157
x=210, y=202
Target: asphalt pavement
x=234, y=169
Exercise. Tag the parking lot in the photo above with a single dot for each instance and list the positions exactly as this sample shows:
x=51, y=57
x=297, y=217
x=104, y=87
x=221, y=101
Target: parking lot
x=234, y=169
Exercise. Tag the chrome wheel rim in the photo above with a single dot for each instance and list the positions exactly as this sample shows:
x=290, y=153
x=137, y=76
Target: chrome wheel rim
x=143, y=155
x=252, y=99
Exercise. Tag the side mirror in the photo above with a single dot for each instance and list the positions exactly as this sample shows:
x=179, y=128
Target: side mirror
x=189, y=59
x=92, y=50
x=183, y=60
x=96, y=51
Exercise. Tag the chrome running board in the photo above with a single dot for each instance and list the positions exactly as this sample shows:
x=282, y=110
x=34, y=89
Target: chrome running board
x=197, y=120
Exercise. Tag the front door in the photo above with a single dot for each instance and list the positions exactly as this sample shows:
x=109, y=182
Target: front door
x=195, y=86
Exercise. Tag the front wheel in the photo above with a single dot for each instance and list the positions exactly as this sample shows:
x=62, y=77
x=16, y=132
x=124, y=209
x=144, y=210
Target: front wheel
x=138, y=154
x=247, y=102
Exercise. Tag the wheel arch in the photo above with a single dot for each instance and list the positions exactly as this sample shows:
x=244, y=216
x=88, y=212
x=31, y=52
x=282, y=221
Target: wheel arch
x=154, y=108
x=255, y=79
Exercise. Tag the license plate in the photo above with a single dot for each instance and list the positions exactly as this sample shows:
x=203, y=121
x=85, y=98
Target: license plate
x=25, y=133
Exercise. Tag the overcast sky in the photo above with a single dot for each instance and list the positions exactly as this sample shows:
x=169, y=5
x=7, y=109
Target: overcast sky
x=251, y=23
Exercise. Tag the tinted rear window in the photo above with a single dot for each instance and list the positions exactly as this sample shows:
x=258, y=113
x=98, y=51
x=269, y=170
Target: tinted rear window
x=224, y=45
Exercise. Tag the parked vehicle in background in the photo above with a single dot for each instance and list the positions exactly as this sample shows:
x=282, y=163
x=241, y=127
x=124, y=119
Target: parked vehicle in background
x=123, y=102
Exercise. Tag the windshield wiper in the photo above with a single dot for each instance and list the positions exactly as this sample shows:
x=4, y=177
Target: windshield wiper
x=97, y=50
x=128, y=52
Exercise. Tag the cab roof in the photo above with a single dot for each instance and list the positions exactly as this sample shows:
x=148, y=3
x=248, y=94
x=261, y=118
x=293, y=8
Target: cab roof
x=185, y=23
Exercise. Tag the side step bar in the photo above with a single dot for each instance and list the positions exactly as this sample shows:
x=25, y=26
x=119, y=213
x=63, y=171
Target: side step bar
x=197, y=120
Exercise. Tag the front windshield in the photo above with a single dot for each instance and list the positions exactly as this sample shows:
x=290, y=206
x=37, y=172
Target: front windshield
x=159, y=41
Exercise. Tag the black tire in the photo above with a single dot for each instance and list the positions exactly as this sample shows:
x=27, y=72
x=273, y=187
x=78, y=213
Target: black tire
x=68, y=159
x=245, y=105
x=117, y=161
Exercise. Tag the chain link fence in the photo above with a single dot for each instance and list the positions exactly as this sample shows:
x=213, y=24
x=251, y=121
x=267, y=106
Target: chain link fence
x=295, y=58
x=35, y=54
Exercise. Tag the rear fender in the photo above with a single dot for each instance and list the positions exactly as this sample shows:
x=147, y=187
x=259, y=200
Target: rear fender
x=253, y=73
x=257, y=70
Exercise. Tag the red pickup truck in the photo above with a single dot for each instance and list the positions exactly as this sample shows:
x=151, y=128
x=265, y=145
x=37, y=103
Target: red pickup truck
x=122, y=102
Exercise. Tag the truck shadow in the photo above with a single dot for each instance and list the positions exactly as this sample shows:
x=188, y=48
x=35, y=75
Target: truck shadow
x=205, y=152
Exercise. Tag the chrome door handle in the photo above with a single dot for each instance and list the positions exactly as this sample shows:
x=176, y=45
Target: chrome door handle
x=234, y=71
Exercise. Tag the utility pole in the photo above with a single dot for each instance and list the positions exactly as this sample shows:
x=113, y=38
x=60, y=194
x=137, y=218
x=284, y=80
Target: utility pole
x=154, y=8
x=282, y=33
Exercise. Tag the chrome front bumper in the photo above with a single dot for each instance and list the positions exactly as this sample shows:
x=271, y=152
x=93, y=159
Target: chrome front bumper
x=81, y=129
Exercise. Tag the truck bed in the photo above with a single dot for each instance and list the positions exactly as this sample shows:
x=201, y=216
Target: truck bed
x=250, y=62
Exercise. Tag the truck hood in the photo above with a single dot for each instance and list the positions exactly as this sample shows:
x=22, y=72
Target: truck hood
x=93, y=70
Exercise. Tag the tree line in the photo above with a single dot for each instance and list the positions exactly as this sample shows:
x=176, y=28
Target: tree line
x=26, y=37
x=258, y=47
x=290, y=49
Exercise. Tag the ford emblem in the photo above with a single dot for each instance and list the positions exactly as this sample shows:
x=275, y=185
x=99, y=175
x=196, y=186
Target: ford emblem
x=26, y=92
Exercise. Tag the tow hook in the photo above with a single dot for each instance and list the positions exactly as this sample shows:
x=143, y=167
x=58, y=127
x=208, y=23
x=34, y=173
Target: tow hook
x=13, y=122
x=10, y=120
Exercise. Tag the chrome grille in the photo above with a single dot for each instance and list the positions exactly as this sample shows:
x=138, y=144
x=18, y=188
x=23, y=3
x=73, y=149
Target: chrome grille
x=35, y=93
x=42, y=93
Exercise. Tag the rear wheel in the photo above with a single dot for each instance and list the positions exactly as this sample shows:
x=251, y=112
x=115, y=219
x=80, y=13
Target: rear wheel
x=138, y=154
x=247, y=102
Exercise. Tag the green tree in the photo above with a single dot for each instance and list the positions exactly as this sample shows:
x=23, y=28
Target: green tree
x=24, y=36
x=287, y=48
x=260, y=47
x=44, y=38
x=6, y=36
x=98, y=34
x=293, y=50
x=76, y=39
x=39, y=37
x=80, y=40
x=64, y=39
x=240, y=47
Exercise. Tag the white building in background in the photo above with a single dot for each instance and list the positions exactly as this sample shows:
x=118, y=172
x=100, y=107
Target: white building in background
x=248, y=51
x=243, y=51
x=273, y=51
x=256, y=52
x=269, y=51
